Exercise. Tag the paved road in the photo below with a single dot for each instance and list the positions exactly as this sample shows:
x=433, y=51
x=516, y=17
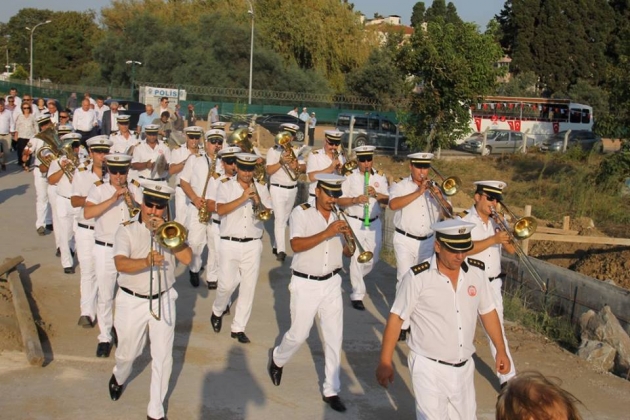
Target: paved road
x=213, y=375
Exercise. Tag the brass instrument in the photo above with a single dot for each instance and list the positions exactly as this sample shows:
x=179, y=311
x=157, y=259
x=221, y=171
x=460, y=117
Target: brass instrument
x=240, y=138
x=47, y=154
x=348, y=165
x=260, y=211
x=351, y=238
x=52, y=144
x=283, y=139
x=129, y=201
x=449, y=187
x=172, y=236
x=523, y=229
x=204, y=214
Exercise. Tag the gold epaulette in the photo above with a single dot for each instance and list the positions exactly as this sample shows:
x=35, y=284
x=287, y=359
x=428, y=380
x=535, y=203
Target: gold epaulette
x=99, y=182
x=82, y=169
x=128, y=222
x=261, y=182
x=462, y=214
x=315, y=152
x=135, y=182
x=216, y=175
x=399, y=179
x=305, y=206
x=477, y=263
x=423, y=266
x=177, y=146
x=381, y=173
x=224, y=180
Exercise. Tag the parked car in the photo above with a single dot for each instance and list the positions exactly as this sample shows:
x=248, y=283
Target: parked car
x=370, y=130
x=272, y=123
x=497, y=142
x=131, y=108
x=587, y=140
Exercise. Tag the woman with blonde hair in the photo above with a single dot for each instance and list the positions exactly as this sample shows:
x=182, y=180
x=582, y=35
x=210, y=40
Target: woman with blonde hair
x=25, y=129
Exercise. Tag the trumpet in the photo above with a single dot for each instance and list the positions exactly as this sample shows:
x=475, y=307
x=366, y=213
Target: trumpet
x=349, y=165
x=351, y=238
x=172, y=236
x=129, y=201
x=449, y=187
x=523, y=229
x=260, y=211
x=283, y=139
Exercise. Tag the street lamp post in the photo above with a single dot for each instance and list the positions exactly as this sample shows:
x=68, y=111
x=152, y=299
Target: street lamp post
x=251, y=51
x=133, y=73
x=32, y=31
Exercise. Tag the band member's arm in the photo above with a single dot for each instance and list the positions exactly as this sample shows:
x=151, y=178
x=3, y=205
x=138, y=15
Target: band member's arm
x=55, y=177
x=301, y=244
x=398, y=203
x=385, y=369
x=492, y=326
x=95, y=210
x=190, y=193
x=501, y=238
x=139, y=166
x=77, y=201
x=229, y=207
x=327, y=170
x=175, y=168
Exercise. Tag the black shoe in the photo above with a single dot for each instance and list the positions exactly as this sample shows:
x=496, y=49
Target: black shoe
x=194, y=279
x=114, y=335
x=58, y=253
x=216, y=322
x=41, y=231
x=503, y=384
x=72, y=253
x=274, y=251
x=115, y=390
x=335, y=403
x=50, y=227
x=281, y=256
x=103, y=349
x=275, y=372
x=85, y=322
x=240, y=336
x=403, y=335
x=212, y=285
x=358, y=305
x=4, y=167
x=68, y=270
x=151, y=418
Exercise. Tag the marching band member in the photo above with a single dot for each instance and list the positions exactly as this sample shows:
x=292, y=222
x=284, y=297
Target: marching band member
x=239, y=204
x=218, y=125
x=179, y=157
x=137, y=261
x=441, y=298
x=415, y=212
x=227, y=158
x=326, y=160
x=58, y=175
x=124, y=140
x=316, y=284
x=488, y=241
x=149, y=153
x=282, y=188
x=98, y=147
x=110, y=204
x=364, y=190
x=194, y=180
x=62, y=130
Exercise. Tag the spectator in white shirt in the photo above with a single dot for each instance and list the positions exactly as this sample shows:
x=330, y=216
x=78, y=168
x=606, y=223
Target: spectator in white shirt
x=6, y=128
x=84, y=121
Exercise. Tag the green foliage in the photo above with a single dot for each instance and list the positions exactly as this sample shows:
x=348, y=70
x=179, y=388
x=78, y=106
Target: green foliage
x=614, y=169
x=19, y=74
x=417, y=14
x=521, y=84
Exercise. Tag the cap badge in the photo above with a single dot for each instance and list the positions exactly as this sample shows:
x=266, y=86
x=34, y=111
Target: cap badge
x=462, y=230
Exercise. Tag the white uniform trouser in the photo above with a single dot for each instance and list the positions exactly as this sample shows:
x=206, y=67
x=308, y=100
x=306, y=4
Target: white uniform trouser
x=311, y=298
x=442, y=392
x=181, y=206
x=370, y=239
x=197, y=238
x=410, y=252
x=214, y=241
x=85, y=245
x=106, y=275
x=132, y=322
x=495, y=289
x=239, y=263
x=42, y=208
x=282, y=200
x=52, y=200
x=64, y=230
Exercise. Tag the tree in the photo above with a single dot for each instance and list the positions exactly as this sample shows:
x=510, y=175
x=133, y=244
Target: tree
x=452, y=66
x=417, y=14
x=19, y=74
x=436, y=11
x=451, y=15
x=522, y=84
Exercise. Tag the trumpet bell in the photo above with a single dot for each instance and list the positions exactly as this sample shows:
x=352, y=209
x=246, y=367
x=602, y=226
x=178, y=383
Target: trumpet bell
x=365, y=256
x=283, y=138
x=451, y=185
x=171, y=235
x=240, y=138
x=525, y=227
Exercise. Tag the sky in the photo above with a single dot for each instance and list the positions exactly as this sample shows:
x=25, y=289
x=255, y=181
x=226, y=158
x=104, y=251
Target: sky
x=478, y=11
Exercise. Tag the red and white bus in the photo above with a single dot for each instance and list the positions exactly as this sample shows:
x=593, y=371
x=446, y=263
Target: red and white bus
x=539, y=118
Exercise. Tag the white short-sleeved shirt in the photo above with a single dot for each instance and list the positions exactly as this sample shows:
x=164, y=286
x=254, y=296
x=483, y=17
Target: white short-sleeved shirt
x=280, y=177
x=442, y=320
x=241, y=223
x=122, y=144
x=418, y=216
x=322, y=259
x=195, y=172
x=491, y=256
x=179, y=155
x=354, y=186
x=211, y=192
x=106, y=224
x=317, y=161
x=64, y=187
x=133, y=240
x=82, y=182
x=144, y=153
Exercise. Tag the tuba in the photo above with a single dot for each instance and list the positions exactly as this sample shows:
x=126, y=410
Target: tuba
x=46, y=154
x=283, y=139
x=240, y=138
x=51, y=150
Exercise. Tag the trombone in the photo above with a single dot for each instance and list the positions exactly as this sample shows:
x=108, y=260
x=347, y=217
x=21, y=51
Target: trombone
x=349, y=165
x=283, y=139
x=523, y=229
x=172, y=236
x=351, y=238
x=449, y=187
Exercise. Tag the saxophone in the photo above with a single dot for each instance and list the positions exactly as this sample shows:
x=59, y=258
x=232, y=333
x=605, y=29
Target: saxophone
x=204, y=214
x=131, y=206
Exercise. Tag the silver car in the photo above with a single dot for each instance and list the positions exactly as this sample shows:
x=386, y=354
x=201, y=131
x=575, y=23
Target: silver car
x=497, y=142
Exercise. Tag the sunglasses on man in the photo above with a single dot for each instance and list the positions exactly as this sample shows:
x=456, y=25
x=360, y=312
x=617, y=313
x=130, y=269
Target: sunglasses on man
x=229, y=160
x=151, y=205
x=365, y=158
x=215, y=141
x=114, y=170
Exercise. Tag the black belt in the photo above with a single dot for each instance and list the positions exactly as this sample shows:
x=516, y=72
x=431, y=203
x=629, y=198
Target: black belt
x=59, y=195
x=124, y=289
x=103, y=243
x=218, y=222
x=324, y=277
x=312, y=195
x=417, y=238
x=152, y=179
x=231, y=238
x=363, y=220
x=288, y=187
x=4, y=134
x=86, y=226
x=460, y=364
x=500, y=276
